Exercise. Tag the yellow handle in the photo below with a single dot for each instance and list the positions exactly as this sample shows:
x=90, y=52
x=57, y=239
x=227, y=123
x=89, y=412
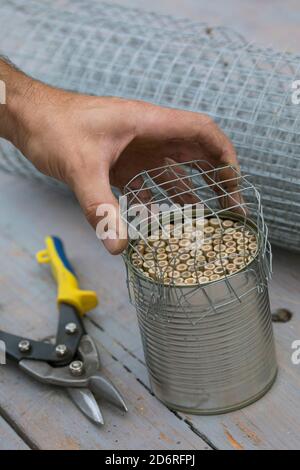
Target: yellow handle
x=64, y=274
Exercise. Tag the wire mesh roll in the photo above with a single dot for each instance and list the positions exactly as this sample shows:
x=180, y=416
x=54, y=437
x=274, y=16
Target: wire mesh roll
x=209, y=346
x=105, y=49
x=85, y=47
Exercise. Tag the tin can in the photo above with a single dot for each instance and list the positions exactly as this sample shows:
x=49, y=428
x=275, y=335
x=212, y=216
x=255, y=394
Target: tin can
x=208, y=349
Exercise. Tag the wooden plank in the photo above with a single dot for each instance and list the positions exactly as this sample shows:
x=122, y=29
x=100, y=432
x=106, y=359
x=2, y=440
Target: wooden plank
x=45, y=414
x=273, y=422
x=9, y=439
x=51, y=421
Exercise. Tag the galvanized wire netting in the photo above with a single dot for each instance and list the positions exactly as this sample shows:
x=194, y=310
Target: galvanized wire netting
x=181, y=209
x=105, y=49
x=207, y=338
x=91, y=52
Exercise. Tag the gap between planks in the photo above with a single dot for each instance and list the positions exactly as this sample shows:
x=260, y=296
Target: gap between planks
x=17, y=430
x=100, y=271
x=141, y=381
x=10, y=438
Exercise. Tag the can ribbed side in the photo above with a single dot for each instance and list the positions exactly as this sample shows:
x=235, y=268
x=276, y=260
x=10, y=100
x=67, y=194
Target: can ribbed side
x=205, y=361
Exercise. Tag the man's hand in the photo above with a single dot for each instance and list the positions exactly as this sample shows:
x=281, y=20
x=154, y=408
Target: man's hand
x=91, y=143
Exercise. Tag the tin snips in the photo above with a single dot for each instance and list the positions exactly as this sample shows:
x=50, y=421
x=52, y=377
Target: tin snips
x=73, y=361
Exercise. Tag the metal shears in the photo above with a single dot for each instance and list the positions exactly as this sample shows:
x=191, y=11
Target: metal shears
x=73, y=361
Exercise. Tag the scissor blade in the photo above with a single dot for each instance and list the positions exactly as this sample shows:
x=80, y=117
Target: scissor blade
x=103, y=388
x=85, y=400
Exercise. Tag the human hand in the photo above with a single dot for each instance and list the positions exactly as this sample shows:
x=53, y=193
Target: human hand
x=91, y=143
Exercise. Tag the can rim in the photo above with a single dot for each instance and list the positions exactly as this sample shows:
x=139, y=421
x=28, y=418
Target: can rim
x=249, y=223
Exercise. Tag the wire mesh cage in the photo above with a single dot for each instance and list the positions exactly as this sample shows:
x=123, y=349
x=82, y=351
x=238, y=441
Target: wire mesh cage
x=198, y=265
x=188, y=214
x=104, y=49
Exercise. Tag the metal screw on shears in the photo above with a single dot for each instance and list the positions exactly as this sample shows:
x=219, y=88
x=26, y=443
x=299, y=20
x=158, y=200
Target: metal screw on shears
x=61, y=350
x=76, y=368
x=24, y=346
x=71, y=328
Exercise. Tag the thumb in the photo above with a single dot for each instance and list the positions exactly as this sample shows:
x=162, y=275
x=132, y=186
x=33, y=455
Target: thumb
x=102, y=211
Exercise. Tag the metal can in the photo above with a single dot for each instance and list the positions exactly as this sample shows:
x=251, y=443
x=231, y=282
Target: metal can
x=209, y=349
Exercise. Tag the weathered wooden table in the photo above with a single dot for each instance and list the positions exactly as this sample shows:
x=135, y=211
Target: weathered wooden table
x=37, y=416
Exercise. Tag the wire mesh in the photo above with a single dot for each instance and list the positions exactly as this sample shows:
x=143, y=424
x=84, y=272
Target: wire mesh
x=86, y=49
x=191, y=226
x=105, y=49
x=208, y=343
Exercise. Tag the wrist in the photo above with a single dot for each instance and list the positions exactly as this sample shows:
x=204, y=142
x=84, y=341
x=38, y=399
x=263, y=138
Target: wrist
x=21, y=99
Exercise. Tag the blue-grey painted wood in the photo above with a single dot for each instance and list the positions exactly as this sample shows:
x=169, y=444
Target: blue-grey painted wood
x=28, y=212
x=9, y=439
x=274, y=421
x=45, y=415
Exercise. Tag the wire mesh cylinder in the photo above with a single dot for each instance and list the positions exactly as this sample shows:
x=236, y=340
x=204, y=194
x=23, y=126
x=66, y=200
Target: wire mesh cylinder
x=209, y=347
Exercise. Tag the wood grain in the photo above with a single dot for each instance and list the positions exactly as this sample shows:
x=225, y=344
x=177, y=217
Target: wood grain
x=29, y=211
x=27, y=292
x=27, y=306
x=9, y=440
